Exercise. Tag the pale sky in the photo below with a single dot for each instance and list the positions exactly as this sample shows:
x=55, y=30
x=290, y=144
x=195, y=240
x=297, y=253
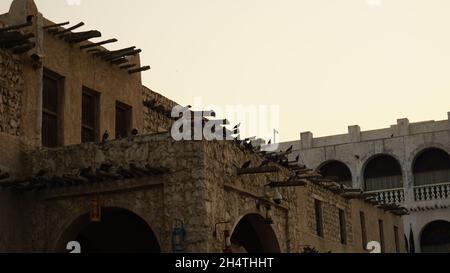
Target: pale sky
x=326, y=63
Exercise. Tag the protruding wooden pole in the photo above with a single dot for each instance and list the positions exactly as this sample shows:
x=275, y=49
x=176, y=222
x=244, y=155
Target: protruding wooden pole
x=144, y=68
x=56, y=25
x=98, y=44
x=269, y=169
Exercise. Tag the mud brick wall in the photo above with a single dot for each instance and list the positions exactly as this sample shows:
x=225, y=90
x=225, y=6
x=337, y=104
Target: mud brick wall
x=11, y=89
x=155, y=122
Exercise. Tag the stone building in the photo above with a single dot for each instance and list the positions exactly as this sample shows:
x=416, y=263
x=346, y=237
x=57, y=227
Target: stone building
x=407, y=164
x=87, y=156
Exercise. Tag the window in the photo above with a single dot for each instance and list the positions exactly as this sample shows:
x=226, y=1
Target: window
x=123, y=120
x=381, y=229
x=343, y=228
x=397, y=240
x=90, y=116
x=51, y=95
x=362, y=218
x=319, y=221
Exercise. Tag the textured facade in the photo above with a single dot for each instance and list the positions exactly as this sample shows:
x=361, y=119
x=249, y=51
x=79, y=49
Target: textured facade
x=408, y=164
x=136, y=190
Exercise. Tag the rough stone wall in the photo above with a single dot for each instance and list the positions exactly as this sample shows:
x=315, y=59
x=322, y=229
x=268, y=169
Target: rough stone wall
x=159, y=200
x=230, y=197
x=79, y=69
x=155, y=122
x=403, y=141
x=331, y=203
x=202, y=189
x=11, y=89
x=372, y=215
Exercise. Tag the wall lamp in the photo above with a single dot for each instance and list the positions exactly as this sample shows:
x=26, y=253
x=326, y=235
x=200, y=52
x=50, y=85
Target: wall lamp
x=273, y=192
x=178, y=237
x=268, y=219
x=226, y=237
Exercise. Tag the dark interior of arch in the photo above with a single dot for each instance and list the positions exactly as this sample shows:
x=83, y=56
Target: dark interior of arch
x=120, y=231
x=255, y=235
x=431, y=167
x=435, y=237
x=339, y=170
x=383, y=172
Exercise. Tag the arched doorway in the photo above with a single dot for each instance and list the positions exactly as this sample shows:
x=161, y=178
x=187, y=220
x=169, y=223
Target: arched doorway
x=431, y=166
x=119, y=231
x=253, y=235
x=337, y=169
x=435, y=237
x=382, y=172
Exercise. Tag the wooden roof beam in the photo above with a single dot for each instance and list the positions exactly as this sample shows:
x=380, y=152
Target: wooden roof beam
x=137, y=70
x=56, y=25
x=98, y=44
x=64, y=31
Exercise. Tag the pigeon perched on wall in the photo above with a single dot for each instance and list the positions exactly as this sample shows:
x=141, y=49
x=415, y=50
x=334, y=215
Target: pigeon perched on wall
x=246, y=164
x=105, y=136
x=289, y=149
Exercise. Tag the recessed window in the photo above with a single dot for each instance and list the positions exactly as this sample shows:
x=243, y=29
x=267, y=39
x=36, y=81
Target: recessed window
x=343, y=228
x=90, y=116
x=362, y=218
x=397, y=239
x=319, y=215
x=381, y=231
x=123, y=120
x=51, y=97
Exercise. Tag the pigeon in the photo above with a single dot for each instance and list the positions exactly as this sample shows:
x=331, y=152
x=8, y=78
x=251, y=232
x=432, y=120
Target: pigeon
x=246, y=164
x=41, y=173
x=297, y=158
x=270, y=142
x=237, y=126
x=289, y=149
x=265, y=162
x=105, y=136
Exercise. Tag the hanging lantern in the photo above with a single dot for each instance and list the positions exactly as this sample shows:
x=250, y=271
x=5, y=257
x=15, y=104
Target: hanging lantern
x=227, y=242
x=178, y=237
x=269, y=220
x=96, y=210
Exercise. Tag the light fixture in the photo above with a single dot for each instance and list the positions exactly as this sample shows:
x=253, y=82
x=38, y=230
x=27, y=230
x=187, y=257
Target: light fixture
x=273, y=193
x=178, y=237
x=227, y=242
x=268, y=219
x=278, y=198
x=226, y=237
x=96, y=210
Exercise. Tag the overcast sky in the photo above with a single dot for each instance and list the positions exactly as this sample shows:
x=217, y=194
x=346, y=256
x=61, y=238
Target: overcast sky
x=326, y=63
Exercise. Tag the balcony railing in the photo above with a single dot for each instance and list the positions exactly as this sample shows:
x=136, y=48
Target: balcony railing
x=390, y=196
x=432, y=192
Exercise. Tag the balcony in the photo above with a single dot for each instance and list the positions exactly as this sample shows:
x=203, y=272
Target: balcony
x=432, y=192
x=390, y=196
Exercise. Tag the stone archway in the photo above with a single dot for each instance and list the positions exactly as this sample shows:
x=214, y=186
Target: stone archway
x=338, y=169
x=382, y=172
x=119, y=231
x=253, y=235
x=431, y=166
x=435, y=237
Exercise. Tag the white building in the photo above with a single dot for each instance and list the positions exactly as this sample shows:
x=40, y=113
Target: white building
x=408, y=163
